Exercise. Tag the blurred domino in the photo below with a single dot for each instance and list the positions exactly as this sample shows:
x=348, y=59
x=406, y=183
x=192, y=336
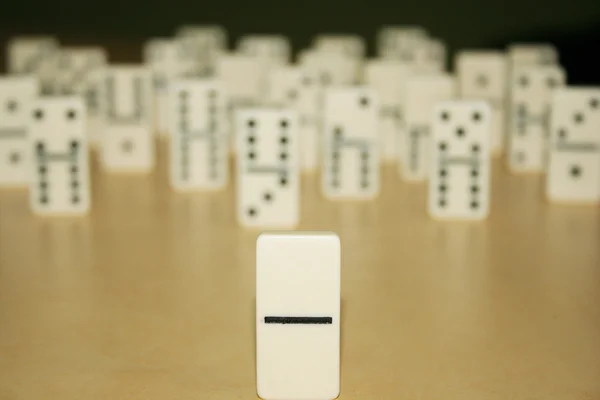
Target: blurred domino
x=199, y=145
x=298, y=335
x=573, y=174
x=422, y=94
x=60, y=178
x=16, y=95
x=128, y=143
x=352, y=46
x=351, y=167
x=244, y=77
x=531, y=97
x=484, y=75
x=459, y=178
x=268, y=167
x=532, y=54
x=274, y=50
x=34, y=55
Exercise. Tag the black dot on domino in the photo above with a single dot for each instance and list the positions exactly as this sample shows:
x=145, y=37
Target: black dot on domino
x=443, y=172
x=71, y=115
x=460, y=132
x=474, y=189
x=14, y=158
x=474, y=205
x=575, y=171
x=252, y=212
x=74, y=169
x=442, y=146
x=477, y=116
x=284, y=123
x=283, y=156
x=475, y=148
x=445, y=116
x=578, y=118
x=594, y=103
x=283, y=181
x=268, y=197
x=44, y=200
x=74, y=144
x=251, y=139
x=283, y=140
x=442, y=203
x=524, y=81
x=251, y=155
x=442, y=188
x=562, y=133
x=38, y=114
x=11, y=106
x=39, y=147
x=251, y=123
x=43, y=185
x=474, y=173
x=364, y=101
x=364, y=184
x=75, y=184
x=75, y=199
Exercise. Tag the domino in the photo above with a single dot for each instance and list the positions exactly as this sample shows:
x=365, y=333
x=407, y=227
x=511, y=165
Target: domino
x=573, y=174
x=302, y=91
x=268, y=168
x=274, y=50
x=128, y=143
x=16, y=95
x=199, y=143
x=429, y=56
x=298, y=335
x=351, y=144
x=400, y=42
x=484, y=75
x=60, y=180
x=78, y=73
x=531, y=96
x=389, y=78
x=459, y=180
x=352, y=46
x=244, y=77
x=34, y=55
x=165, y=58
x=532, y=54
x=201, y=46
x=423, y=92
x=333, y=68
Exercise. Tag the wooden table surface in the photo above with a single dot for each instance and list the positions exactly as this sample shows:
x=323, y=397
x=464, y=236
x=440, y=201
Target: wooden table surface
x=152, y=295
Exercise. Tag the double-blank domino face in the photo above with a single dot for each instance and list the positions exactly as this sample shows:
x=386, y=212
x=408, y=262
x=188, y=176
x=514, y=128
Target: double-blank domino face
x=422, y=93
x=300, y=90
x=531, y=96
x=459, y=181
x=388, y=78
x=199, y=143
x=351, y=144
x=60, y=180
x=268, y=184
x=128, y=143
x=243, y=77
x=483, y=75
x=298, y=316
x=16, y=94
x=273, y=49
x=573, y=173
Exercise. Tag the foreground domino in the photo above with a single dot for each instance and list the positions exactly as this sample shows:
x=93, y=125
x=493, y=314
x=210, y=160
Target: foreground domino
x=298, y=316
x=60, y=180
x=573, y=173
x=268, y=179
x=16, y=93
x=199, y=144
x=459, y=180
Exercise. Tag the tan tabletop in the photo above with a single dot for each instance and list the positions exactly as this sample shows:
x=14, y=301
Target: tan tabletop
x=152, y=296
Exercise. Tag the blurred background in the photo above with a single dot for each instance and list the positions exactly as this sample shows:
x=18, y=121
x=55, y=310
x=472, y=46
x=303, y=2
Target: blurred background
x=123, y=25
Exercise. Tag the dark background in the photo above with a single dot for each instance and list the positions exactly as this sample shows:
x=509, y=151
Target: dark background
x=122, y=26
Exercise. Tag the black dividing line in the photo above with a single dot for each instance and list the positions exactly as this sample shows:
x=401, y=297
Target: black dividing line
x=298, y=320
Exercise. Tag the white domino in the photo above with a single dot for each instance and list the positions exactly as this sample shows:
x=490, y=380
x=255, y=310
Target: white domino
x=389, y=78
x=573, y=174
x=268, y=167
x=430, y=56
x=484, y=75
x=244, y=77
x=351, y=167
x=333, y=68
x=34, y=55
x=201, y=46
x=302, y=91
x=400, y=42
x=128, y=142
x=298, y=277
x=199, y=144
x=459, y=178
x=16, y=95
x=352, y=46
x=423, y=92
x=274, y=50
x=60, y=178
x=532, y=54
x=165, y=59
x=530, y=101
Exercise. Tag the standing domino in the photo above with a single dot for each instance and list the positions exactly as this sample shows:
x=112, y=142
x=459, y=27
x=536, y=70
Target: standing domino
x=16, y=94
x=199, y=143
x=268, y=184
x=483, y=75
x=301, y=90
x=532, y=54
x=422, y=94
x=60, y=180
x=459, y=179
x=128, y=143
x=298, y=316
x=573, y=173
x=388, y=78
x=351, y=144
x=274, y=50
x=34, y=55
x=531, y=96
x=352, y=46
